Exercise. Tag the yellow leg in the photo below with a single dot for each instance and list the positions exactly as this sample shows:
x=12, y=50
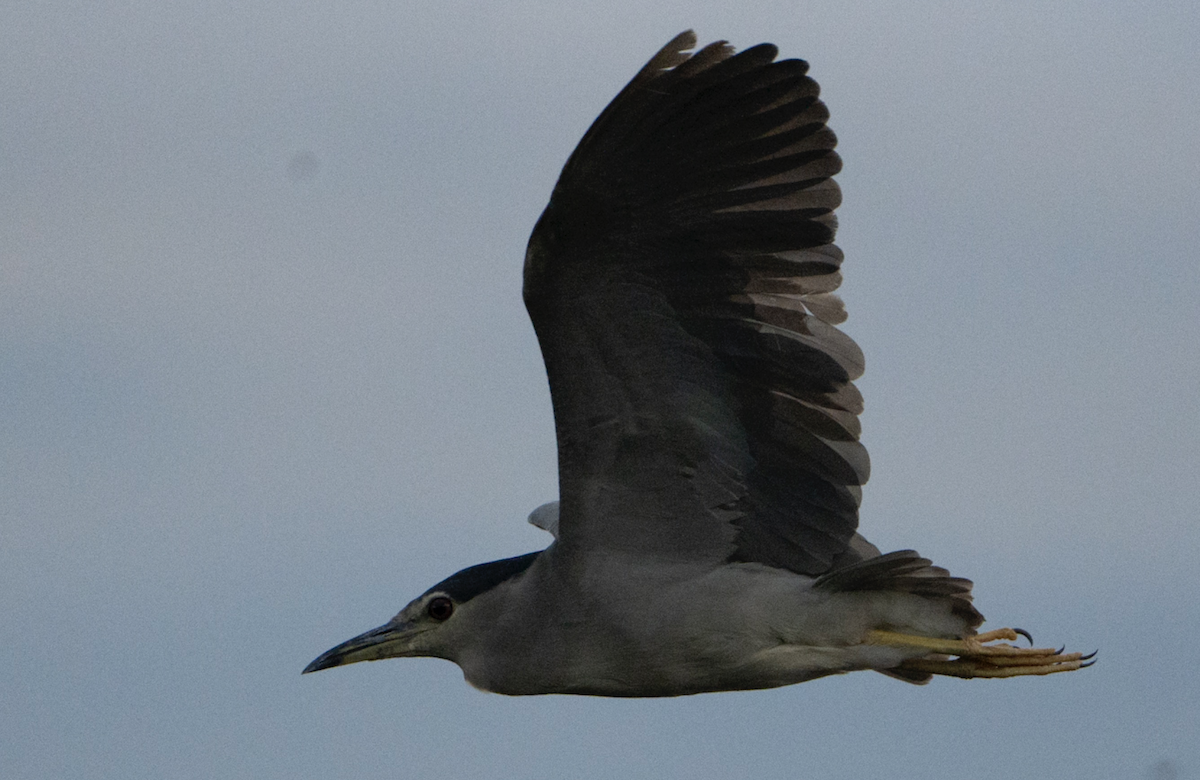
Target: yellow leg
x=975, y=658
x=969, y=669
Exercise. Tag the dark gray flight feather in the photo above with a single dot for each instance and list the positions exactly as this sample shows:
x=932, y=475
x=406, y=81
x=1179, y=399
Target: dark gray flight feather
x=681, y=284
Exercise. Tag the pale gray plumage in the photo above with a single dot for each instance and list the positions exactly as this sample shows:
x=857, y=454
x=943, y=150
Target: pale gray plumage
x=681, y=285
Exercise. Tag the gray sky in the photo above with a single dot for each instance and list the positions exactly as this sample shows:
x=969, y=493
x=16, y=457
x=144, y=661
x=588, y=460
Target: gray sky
x=266, y=375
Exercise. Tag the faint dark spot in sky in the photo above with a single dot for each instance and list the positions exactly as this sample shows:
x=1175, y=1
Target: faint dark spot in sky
x=1163, y=770
x=304, y=165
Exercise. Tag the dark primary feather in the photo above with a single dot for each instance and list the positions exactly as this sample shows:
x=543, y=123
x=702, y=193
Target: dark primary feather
x=680, y=282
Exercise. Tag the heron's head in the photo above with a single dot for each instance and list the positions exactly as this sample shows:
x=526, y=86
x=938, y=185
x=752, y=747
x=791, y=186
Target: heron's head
x=427, y=625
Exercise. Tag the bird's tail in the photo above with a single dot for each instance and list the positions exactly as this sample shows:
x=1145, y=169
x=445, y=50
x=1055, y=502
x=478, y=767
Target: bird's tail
x=905, y=571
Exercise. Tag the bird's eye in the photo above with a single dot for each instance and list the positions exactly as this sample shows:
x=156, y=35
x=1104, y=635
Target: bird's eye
x=440, y=608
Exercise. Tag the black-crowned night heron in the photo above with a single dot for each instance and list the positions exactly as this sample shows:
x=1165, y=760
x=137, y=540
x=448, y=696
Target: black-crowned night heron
x=681, y=285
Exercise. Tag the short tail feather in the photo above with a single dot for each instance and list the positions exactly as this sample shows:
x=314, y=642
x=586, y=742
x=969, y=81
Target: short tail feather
x=905, y=571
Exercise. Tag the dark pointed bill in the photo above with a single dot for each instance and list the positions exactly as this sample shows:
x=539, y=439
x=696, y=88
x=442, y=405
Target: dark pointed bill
x=387, y=641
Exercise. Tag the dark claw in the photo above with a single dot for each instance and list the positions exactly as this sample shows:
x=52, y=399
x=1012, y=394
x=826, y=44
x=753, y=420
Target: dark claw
x=1088, y=657
x=1086, y=665
x=1025, y=634
x=1059, y=651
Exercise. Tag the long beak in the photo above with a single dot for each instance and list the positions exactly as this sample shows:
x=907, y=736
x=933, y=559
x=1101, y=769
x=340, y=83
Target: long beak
x=391, y=640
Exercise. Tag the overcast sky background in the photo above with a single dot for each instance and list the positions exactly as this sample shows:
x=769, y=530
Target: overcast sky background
x=265, y=375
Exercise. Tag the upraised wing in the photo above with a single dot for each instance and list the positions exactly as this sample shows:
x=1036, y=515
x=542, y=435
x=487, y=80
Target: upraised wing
x=680, y=282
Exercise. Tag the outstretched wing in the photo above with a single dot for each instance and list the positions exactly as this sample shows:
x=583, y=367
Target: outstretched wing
x=680, y=282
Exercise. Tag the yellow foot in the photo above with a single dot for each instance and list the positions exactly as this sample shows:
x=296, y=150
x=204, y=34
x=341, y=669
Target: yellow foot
x=974, y=657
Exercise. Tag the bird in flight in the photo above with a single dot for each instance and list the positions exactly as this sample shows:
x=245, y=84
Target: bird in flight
x=681, y=283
